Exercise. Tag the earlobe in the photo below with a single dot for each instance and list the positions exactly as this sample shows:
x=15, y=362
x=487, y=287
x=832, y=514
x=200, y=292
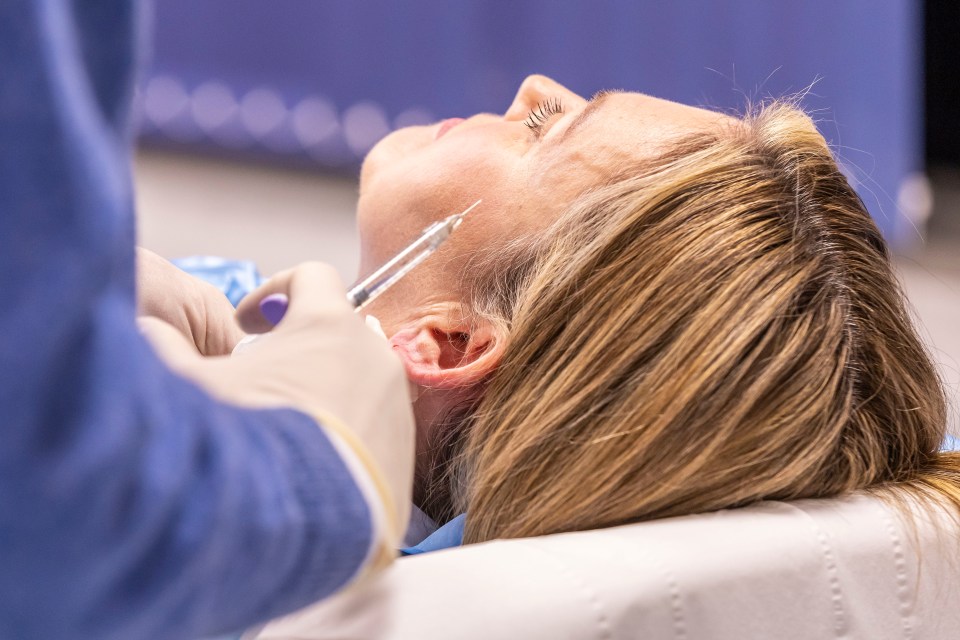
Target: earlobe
x=441, y=354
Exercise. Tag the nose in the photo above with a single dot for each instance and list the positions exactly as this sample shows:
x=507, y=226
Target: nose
x=536, y=89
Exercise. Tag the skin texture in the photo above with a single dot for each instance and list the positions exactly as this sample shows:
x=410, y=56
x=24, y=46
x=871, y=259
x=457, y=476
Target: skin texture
x=525, y=178
x=411, y=178
x=712, y=320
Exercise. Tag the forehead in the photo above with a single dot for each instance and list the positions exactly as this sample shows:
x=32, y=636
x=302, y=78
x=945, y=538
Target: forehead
x=620, y=129
x=651, y=110
x=639, y=122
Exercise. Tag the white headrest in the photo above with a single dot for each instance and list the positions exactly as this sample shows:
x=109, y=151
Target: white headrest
x=805, y=570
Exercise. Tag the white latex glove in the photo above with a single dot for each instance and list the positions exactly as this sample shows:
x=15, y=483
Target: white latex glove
x=321, y=360
x=195, y=308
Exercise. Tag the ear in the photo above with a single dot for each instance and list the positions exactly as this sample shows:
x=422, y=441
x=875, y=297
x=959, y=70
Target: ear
x=446, y=350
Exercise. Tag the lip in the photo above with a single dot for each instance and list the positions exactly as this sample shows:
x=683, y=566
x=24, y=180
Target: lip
x=446, y=125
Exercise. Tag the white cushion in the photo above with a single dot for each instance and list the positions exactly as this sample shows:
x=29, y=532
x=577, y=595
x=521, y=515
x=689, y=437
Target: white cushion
x=815, y=569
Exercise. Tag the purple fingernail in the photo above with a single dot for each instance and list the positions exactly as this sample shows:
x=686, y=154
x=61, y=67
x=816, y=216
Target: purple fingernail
x=273, y=307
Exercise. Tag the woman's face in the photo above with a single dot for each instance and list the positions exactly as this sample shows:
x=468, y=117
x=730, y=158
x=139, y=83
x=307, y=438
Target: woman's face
x=526, y=165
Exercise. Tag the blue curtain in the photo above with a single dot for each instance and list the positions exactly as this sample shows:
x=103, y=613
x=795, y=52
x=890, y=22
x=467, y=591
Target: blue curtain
x=322, y=81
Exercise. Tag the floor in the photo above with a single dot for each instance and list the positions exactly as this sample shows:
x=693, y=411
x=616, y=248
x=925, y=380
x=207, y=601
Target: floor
x=281, y=216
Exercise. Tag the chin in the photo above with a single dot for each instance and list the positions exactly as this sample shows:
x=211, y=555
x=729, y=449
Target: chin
x=368, y=170
x=394, y=148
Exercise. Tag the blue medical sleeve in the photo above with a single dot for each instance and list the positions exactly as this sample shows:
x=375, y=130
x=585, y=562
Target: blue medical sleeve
x=132, y=505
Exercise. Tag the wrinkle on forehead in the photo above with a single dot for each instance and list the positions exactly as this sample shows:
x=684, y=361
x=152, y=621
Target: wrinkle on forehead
x=626, y=129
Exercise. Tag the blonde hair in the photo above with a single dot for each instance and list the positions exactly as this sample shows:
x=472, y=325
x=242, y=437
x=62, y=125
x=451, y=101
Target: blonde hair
x=717, y=326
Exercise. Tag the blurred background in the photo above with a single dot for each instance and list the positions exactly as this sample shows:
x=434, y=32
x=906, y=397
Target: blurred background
x=254, y=117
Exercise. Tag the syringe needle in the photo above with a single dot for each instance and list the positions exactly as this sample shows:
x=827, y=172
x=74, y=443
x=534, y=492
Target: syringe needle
x=274, y=306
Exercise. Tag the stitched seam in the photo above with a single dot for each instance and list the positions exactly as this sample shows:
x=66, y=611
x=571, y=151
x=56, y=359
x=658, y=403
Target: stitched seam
x=676, y=604
x=903, y=582
x=678, y=618
x=840, y=626
x=604, y=630
x=836, y=595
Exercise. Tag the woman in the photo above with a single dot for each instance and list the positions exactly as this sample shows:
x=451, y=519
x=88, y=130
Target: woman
x=658, y=310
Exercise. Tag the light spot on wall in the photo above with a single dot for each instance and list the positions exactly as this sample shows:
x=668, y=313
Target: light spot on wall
x=212, y=104
x=363, y=125
x=261, y=111
x=314, y=121
x=163, y=98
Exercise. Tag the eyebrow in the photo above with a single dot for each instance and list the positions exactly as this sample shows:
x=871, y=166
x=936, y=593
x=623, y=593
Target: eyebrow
x=595, y=103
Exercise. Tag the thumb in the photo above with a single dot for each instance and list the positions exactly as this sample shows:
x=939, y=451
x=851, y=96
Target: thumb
x=174, y=348
x=312, y=288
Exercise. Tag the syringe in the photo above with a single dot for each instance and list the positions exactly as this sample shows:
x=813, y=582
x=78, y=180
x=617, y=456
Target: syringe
x=274, y=306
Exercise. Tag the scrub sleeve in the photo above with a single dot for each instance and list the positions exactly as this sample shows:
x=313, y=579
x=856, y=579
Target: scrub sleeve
x=132, y=505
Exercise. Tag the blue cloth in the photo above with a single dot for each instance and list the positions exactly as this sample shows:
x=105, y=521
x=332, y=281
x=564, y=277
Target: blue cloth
x=952, y=443
x=449, y=535
x=132, y=505
x=234, y=278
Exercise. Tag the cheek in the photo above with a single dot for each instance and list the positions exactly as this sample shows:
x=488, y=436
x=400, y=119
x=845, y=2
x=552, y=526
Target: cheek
x=397, y=203
x=398, y=200
x=566, y=178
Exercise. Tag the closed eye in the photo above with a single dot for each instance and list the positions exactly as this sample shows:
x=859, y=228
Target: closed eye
x=541, y=114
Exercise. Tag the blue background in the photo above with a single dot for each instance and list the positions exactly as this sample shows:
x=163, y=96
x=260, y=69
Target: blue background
x=364, y=67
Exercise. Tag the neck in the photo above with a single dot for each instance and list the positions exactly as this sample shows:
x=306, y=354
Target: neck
x=440, y=421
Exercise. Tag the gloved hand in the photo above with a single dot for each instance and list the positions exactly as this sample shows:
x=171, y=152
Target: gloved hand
x=193, y=307
x=322, y=360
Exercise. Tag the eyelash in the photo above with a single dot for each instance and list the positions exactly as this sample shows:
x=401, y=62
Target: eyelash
x=539, y=115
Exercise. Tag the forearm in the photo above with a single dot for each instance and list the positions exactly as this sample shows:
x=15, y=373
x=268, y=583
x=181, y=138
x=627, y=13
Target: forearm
x=148, y=510
x=131, y=504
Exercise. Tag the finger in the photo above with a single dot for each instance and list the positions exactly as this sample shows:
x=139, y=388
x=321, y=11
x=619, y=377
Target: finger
x=218, y=334
x=374, y=325
x=274, y=307
x=316, y=289
x=312, y=288
x=161, y=287
x=248, y=313
x=170, y=345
